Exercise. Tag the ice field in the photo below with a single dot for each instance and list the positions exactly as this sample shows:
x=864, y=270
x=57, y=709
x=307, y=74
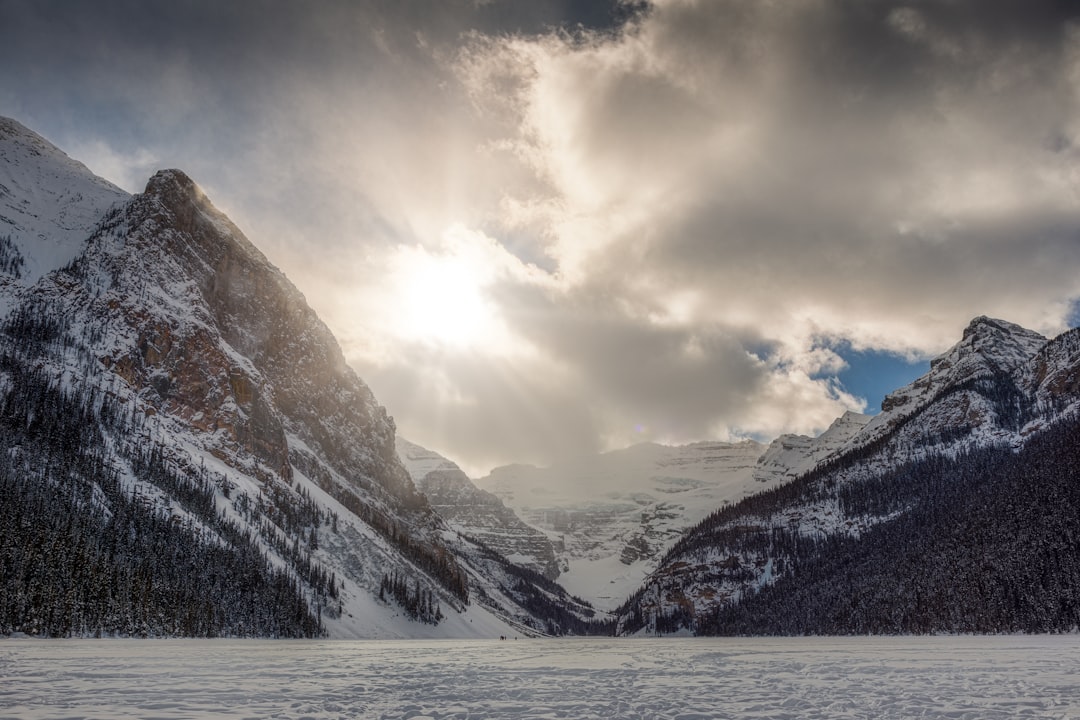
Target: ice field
x=923, y=677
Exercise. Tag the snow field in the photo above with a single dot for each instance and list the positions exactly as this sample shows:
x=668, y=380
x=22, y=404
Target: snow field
x=669, y=679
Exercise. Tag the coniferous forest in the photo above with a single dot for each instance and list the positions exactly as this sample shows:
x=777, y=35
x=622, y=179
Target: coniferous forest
x=990, y=544
x=81, y=555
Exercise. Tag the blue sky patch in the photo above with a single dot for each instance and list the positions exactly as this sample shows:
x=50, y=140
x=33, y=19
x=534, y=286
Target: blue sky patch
x=873, y=374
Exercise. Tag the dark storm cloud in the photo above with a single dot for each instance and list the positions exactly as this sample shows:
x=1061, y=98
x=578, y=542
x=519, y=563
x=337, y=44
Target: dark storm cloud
x=224, y=75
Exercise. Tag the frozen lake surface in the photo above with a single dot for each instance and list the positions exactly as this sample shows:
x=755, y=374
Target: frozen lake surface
x=936, y=677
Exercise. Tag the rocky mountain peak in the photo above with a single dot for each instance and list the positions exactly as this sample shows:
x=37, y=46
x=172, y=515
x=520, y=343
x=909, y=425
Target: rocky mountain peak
x=171, y=182
x=984, y=324
x=988, y=346
x=191, y=211
x=14, y=133
x=1005, y=344
x=211, y=333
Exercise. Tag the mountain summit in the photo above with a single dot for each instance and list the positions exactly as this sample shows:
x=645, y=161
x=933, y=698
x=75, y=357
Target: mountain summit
x=951, y=511
x=212, y=463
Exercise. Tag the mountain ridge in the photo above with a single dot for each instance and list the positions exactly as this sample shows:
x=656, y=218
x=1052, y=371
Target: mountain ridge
x=477, y=513
x=185, y=451
x=219, y=402
x=988, y=393
x=48, y=199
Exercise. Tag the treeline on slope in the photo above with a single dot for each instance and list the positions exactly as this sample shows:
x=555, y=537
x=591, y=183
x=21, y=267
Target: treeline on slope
x=419, y=603
x=80, y=554
x=1011, y=406
x=990, y=544
x=430, y=556
x=11, y=260
x=546, y=601
x=748, y=528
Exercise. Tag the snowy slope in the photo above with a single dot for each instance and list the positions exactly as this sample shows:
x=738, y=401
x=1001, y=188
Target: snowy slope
x=49, y=203
x=611, y=515
x=216, y=407
x=792, y=455
x=1000, y=386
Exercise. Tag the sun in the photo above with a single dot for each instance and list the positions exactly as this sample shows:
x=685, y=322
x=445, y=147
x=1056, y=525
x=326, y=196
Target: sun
x=441, y=300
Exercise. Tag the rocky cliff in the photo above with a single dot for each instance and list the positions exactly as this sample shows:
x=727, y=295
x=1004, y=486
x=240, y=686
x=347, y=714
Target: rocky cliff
x=216, y=411
x=476, y=513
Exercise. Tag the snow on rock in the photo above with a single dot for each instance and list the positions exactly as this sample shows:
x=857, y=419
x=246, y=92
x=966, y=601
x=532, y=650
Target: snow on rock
x=611, y=516
x=49, y=203
x=474, y=512
x=792, y=455
x=988, y=348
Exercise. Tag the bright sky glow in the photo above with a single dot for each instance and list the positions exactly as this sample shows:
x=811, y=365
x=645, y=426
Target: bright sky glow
x=441, y=299
x=536, y=226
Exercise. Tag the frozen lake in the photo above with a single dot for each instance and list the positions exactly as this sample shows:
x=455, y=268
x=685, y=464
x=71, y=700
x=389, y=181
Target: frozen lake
x=937, y=677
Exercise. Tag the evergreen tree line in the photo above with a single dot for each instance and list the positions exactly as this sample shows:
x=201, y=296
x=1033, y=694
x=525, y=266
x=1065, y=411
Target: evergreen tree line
x=289, y=522
x=427, y=554
x=80, y=554
x=990, y=544
x=419, y=603
x=11, y=260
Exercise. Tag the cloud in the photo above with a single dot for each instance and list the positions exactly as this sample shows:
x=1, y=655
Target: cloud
x=730, y=174
x=859, y=167
x=128, y=169
x=659, y=221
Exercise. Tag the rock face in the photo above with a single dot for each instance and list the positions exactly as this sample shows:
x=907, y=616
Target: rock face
x=197, y=370
x=792, y=455
x=891, y=515
x=989, y=349
x=476, y=513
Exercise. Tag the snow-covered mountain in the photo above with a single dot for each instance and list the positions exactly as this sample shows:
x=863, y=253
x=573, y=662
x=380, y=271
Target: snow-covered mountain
x=900, y=509
x=184, y=451
x=476, y=513
x=789, y=456
x=180, y=412
x=611, y=516
x=49, y=203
